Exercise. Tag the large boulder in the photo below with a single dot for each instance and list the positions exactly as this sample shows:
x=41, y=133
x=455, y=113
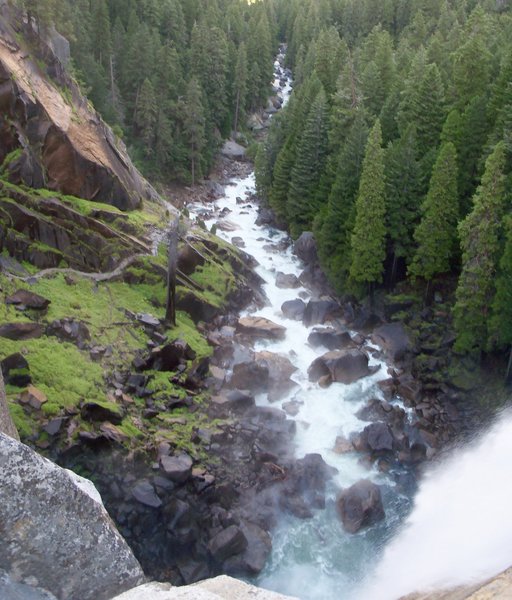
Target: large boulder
x=360, y=505
x=319, y=311
x=394, y=340
x=287, y=280
x=233, y=150
x=56, y=534
x=279, y=369
x=260, y=327
x=305, y=247
x=329, y=337
x=293, y=309
x=227, y=542
x=251, y=376
x=342, y=366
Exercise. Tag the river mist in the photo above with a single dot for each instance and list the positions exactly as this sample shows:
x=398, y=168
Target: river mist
x=460, y=529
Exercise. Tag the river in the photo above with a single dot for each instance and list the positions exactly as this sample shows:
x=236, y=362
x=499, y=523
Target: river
x=315, y=559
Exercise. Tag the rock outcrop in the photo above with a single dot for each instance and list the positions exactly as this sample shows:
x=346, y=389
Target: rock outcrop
x=50, y=134
x=56, y=534
x=219, y=588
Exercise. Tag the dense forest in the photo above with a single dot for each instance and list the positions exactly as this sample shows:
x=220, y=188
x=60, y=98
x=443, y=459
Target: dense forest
x=396, y=146
x=396, y=149
x=174, y=77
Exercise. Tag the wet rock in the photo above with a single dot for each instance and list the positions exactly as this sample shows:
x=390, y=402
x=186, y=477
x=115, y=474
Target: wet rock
x=255, y=556
x=279, y=369
x=233, y=150
x=287, y=281
x=393, y=338
x=28, y=299
x=145, y=493
x=409, y=388
x=33, y=397
x=318, y=312
x=342, y=445
x=226, y=543
x=177, y=468
x=238, y=242
x=96, y=411
x=21, y=331
x=70, y=330
x=293, y=309
x=226, y=225
x=305, y=247
x=56, y=534
x=343, y=366
x=265, y=217
x=170, y=356
x=15, y=370
x=329, y=337
x=260, y=327
x=252, y=376
x=234, y=399
x=360, y=505
x=378, y=437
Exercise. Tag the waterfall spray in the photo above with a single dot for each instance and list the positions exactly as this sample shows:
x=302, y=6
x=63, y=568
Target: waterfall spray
x=460, y=530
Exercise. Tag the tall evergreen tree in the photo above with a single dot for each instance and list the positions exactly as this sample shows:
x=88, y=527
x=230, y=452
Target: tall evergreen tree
x=436, y=233
x=194, y=127
x=240, y=86
x=301, y=205
x=369, y=235
x=500, y=323
x=333, y=229
x=403, y=196
x=480, y=234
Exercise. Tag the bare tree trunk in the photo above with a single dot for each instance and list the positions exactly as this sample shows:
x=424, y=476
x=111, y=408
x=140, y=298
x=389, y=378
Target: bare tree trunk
x=237, y=109
x=6, y=423
x=172, y=266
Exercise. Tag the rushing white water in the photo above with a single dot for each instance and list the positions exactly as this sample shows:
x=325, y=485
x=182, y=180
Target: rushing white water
x=328, y=559
x=461, y=527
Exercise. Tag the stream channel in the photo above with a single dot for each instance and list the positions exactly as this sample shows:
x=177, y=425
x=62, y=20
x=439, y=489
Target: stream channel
x=312, y=559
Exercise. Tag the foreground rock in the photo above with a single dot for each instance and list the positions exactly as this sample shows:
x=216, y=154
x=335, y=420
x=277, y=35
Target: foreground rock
x=56, y=534
x=360, y=505
x=343, y=366
x=219, y=588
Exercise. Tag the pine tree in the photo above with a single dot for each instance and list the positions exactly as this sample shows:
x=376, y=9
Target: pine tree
x=240, y=85
x=369, y=235
x=146, y=117
x=301, y=206
x=479, y=234
x=334, y=229
x=500, y=322
x=194, y=127
x=403, y=184
x=436, y=233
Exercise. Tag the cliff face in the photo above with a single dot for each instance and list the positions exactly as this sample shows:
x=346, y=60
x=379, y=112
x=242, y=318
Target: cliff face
x=50, y=136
